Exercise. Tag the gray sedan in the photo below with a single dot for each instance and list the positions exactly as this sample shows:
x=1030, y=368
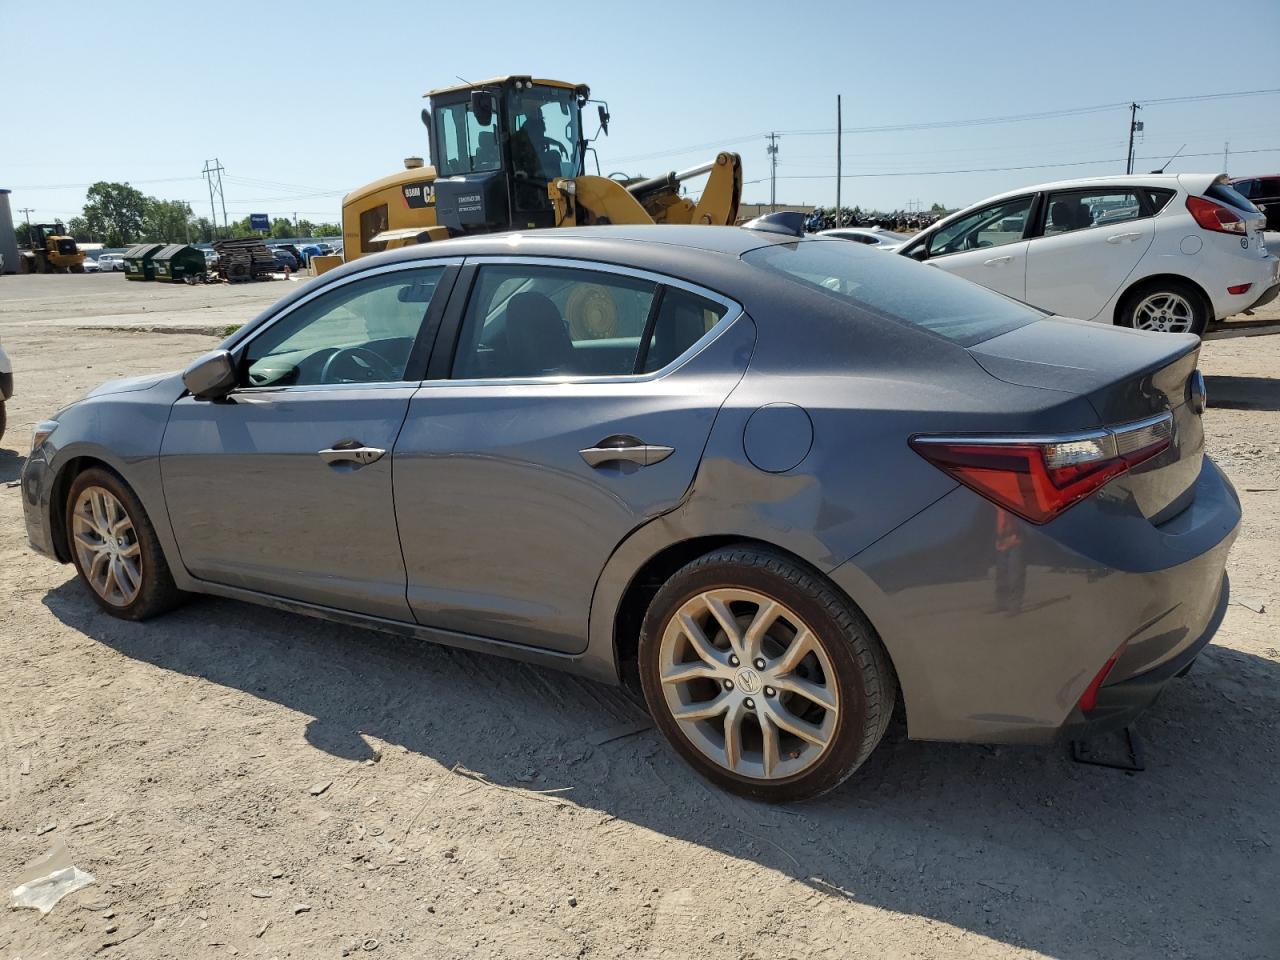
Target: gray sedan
x=785, y=486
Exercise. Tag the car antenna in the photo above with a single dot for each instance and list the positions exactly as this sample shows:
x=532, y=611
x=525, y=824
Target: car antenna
x=1171, y=159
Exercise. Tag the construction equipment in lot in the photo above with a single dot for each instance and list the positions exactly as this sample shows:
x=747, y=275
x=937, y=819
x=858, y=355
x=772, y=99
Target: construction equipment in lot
x=510, y=153
x=51, y=250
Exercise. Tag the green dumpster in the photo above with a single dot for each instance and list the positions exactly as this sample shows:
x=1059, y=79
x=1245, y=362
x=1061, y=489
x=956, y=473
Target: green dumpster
x=178, y=262
x=138, y=262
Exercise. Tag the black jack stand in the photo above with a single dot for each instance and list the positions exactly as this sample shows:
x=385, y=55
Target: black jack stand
x=1082, y=752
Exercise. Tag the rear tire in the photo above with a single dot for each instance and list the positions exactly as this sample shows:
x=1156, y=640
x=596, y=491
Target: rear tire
x=115, y=549
x=791, y=705
x=1165, y=306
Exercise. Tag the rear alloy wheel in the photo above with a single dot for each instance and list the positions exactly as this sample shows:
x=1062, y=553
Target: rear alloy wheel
x=762, y=676
x=1165, y=307
x=115, y=549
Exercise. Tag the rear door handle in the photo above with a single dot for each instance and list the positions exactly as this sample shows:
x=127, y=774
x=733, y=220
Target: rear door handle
x=351, y=451
x=997, y=261
x=626, y=449
x=1123, y=237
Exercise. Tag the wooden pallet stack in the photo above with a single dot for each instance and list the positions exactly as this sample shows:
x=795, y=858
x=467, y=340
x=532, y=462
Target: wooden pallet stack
x=247, y=259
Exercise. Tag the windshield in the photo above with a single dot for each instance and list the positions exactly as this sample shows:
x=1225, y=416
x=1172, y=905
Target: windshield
x=462, y=144
x=896, y=287
x=543, y=124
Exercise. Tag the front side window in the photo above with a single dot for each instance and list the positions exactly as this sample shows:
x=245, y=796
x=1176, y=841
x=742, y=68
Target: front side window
x=1070, y=210
x=360, y=332
x=532, y=320
x=543, y=124
x=895, y=287
x=463, y=145
x=992, y=226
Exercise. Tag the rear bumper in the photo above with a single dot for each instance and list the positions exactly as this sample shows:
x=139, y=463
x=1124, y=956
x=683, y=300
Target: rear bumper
x=1122, y=702
x=1267, y=297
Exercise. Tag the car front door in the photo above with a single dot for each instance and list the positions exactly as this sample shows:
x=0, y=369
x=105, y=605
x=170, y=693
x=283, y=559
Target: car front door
x=1090, y=243
x=575, y=407
x=285, y=486
x=986, y=246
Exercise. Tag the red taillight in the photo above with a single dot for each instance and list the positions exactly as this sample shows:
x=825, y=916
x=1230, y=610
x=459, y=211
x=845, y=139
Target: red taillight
x=1038, y=478
x=1239, y=288
x=1089, y=699
x=1215, y=216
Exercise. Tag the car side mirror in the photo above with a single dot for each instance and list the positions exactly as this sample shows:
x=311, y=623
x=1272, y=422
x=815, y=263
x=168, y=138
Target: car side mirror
x=920, y=253
x=482, y=107
x=211, y=377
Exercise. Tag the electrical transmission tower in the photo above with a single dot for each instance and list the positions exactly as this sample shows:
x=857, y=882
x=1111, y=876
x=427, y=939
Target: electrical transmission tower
x=212, y=172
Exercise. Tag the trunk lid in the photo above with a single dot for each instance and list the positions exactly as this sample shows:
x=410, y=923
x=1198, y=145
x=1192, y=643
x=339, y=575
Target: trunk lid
x=1126, y=375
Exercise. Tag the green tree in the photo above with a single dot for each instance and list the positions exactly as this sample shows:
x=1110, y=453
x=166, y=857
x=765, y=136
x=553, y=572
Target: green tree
x=281, y=228
x=114, y=213
x=166, y=221
x=937, y=208
x=327, y=230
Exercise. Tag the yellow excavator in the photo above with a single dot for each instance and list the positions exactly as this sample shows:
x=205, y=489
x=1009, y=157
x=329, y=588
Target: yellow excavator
x=511, y=154
x=52, y=250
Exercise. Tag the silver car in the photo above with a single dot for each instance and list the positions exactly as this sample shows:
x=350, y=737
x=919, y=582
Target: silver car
x=785, y=486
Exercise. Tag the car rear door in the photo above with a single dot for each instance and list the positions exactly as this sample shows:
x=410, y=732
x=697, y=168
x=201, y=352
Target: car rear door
x=986, y=246
x=1086, y=245
x=284, y=487
x=568, y=403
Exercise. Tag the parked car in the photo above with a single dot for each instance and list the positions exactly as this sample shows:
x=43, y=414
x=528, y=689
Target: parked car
x=6, y=379
x=643, y=452
x=91, y=265
x=1166, y=252
x=309, y=251
x=284, y=258
x=1263, y=193
x=869, y=236
x=111, y=262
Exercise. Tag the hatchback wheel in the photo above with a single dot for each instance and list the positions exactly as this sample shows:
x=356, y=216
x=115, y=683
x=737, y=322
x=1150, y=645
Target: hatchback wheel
x=761, y=675
x=115, y=549
x=1165, y=306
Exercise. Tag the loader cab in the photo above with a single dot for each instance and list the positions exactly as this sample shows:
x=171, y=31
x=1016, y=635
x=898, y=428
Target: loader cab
x=496, y=146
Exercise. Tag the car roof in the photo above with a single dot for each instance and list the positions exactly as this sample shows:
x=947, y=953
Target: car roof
x=570, y=241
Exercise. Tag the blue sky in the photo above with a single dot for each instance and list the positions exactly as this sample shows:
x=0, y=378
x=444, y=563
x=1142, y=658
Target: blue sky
x=306, y=106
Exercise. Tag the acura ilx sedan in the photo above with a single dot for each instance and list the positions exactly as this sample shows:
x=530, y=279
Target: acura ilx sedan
x=786, y=486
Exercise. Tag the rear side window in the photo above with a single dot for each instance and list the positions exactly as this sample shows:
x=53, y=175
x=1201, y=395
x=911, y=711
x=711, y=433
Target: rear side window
x=1158, y=197
x=533, y=320
x=895, y=287
x=1082, y=209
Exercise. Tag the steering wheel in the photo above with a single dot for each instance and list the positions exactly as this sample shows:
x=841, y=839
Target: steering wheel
x=356, y=365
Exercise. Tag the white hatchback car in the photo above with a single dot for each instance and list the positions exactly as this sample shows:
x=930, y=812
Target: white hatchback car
x=877, y=237
x=1167, y=252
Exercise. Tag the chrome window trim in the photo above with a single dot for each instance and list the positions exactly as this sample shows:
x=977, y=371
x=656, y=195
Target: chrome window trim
x=733, y=311
x=243, y=346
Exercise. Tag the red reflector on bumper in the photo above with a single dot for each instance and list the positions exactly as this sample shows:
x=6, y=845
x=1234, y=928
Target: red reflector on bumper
x=1089, y=699
x=1239, y=288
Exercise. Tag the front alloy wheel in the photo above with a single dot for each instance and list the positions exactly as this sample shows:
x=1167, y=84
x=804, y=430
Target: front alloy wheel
x=107, y=547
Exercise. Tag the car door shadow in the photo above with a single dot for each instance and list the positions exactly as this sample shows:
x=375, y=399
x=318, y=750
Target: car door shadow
x=1243, y=393
x=1015, y=844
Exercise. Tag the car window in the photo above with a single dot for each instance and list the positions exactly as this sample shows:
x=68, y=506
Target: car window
x=1158, y=197
x=1225, y=193
x=531, y=320
x=1247, y=188
x=895, y=287
x=991, y=226
x=1070, y=210
x=360, y=332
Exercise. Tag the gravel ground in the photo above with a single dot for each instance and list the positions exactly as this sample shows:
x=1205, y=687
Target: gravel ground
x=243, y=782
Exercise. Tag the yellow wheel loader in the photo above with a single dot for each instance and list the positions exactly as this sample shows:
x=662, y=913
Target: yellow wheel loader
x=52, y=250
x=511, y=154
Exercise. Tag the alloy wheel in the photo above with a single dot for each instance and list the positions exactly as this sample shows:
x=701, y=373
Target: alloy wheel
x=106, y=546
x=748, y=683
x=1164, y=313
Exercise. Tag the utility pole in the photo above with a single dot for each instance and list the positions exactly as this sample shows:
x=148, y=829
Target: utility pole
x=212, y=172
x=1135, y=125
x=773, y=175
x=1226, y=150
x=839, y=146
x=27, y=212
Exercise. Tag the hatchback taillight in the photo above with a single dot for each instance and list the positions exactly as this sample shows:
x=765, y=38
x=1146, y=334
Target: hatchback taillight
x=1039, y=477
x=1215, y=216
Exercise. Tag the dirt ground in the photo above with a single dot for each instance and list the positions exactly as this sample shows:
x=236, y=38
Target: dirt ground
x=243, y=782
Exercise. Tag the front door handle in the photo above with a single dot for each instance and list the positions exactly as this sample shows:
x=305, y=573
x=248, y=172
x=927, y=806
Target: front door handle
x=1123, y=237
x=997, y=261
x=626, y=449
x=351, y=451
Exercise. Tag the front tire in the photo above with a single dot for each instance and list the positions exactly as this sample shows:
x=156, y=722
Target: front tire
x=115, y=549
x=766, y=679
x=1165, y=306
